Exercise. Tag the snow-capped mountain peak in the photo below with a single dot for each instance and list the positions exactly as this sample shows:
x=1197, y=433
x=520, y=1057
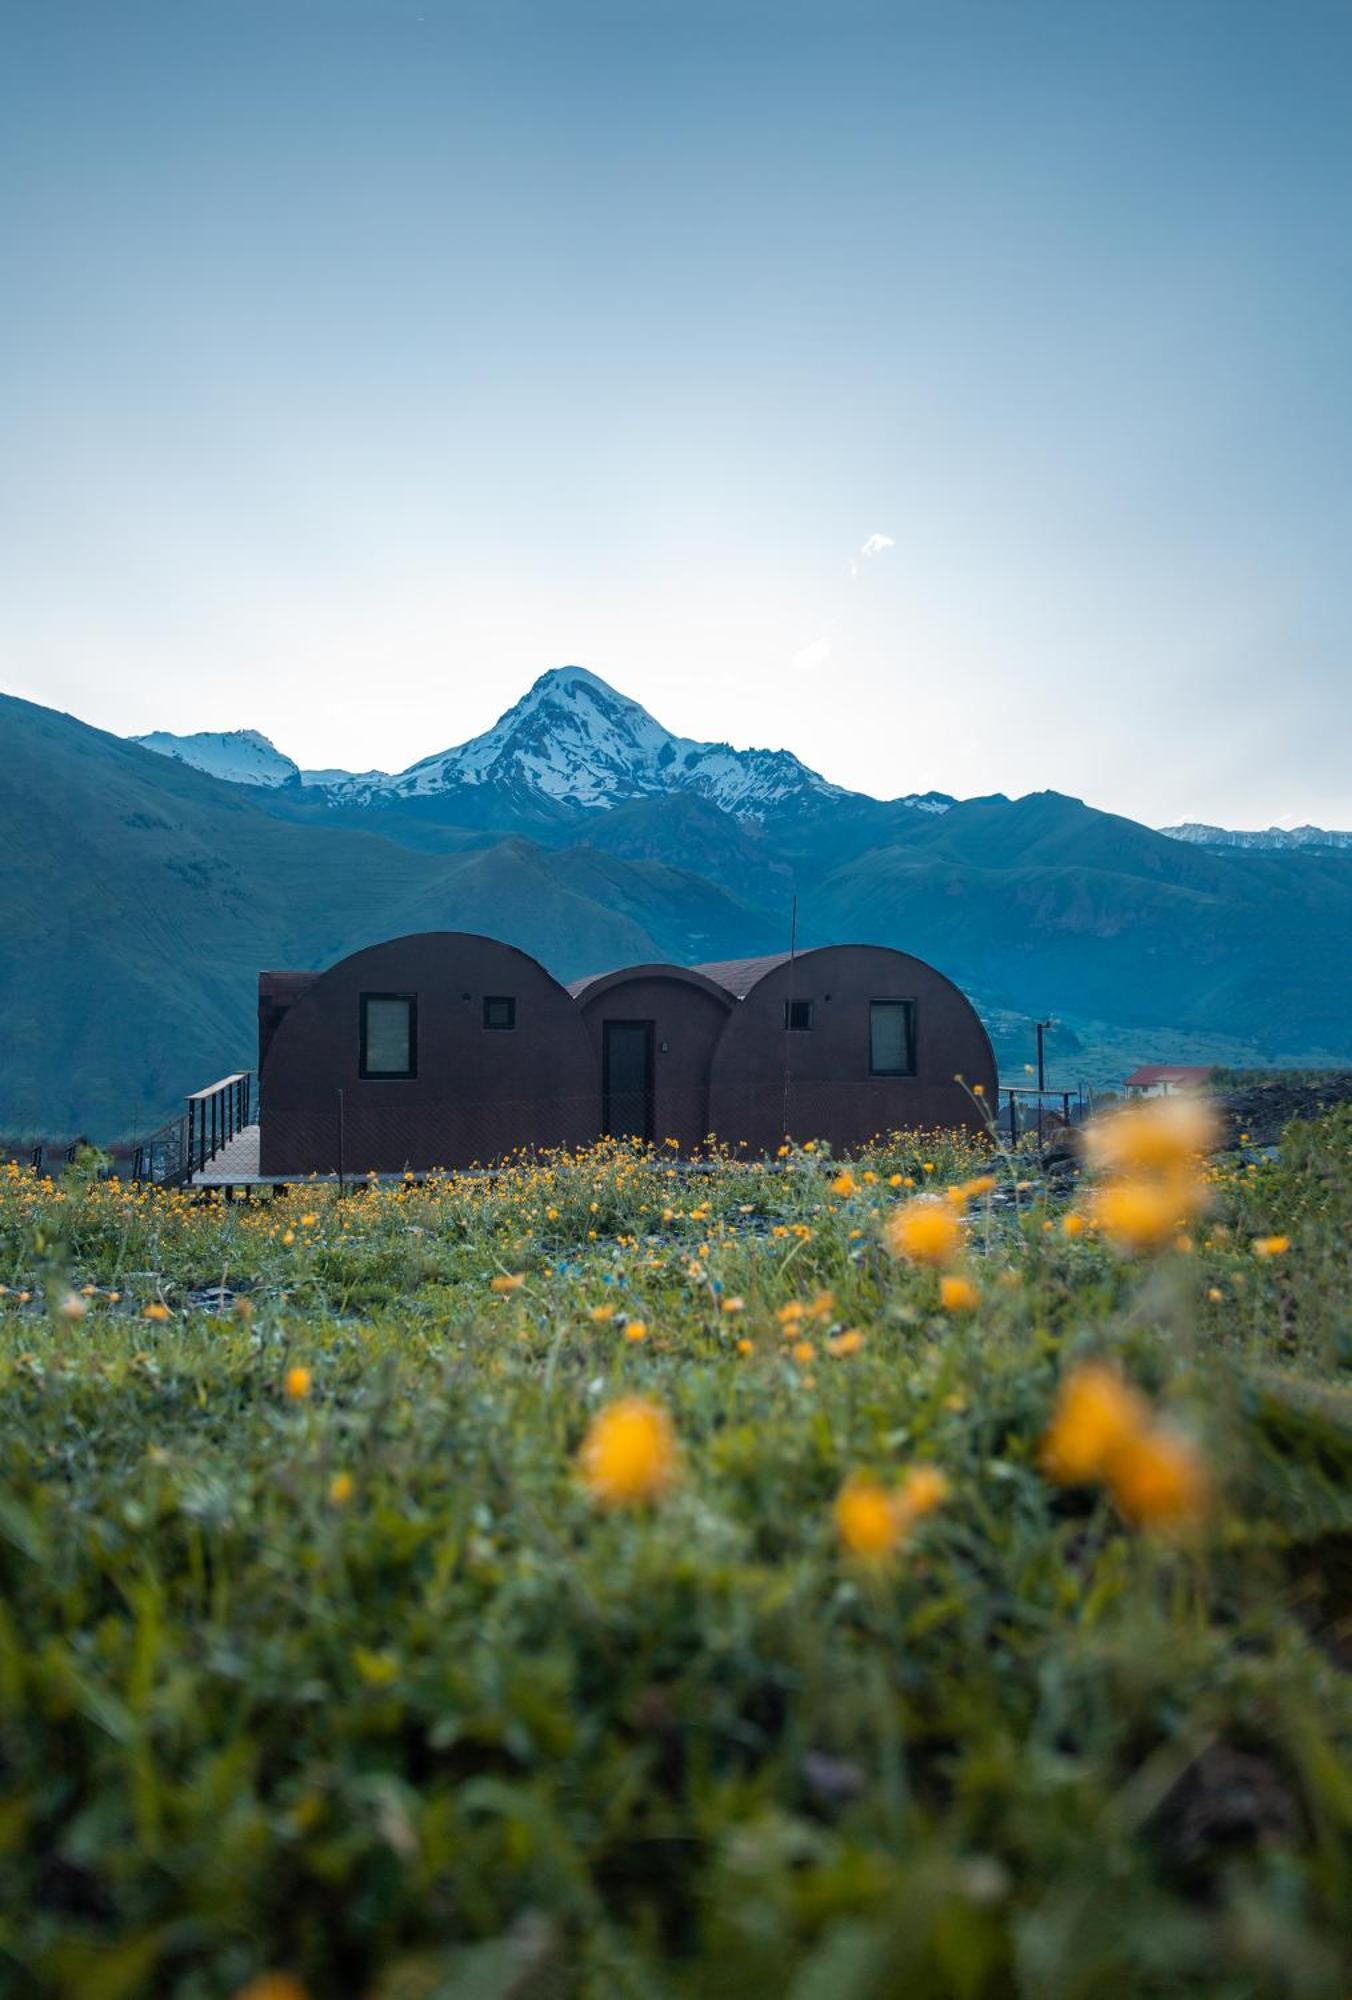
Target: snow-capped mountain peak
x=574, y=741
x=241, y=756
x=572, y=744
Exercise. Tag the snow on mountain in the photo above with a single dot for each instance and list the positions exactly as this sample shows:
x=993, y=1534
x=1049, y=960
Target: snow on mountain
x=572, y=742
x=241, y=756
x=576, y=741
x=1199, y=835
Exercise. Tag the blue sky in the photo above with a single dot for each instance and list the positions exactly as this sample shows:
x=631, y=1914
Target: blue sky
x=365, y=359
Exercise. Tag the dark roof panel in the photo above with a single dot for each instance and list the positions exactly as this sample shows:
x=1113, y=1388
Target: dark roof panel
x=739, y=975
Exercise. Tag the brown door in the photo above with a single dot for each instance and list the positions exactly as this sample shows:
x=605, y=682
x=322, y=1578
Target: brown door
x=627, y=1079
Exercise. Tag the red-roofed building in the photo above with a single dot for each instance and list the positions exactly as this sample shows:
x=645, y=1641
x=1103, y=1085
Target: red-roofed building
x=1161, y=1079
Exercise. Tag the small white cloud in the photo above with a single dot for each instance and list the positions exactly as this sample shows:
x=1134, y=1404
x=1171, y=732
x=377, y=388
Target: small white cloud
x=874, y=546
x=808, y=658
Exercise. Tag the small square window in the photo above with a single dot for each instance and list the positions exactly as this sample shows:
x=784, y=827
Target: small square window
x=499, y=1011
x=389, y=1039
x=891, y=1038
x=798, y=1015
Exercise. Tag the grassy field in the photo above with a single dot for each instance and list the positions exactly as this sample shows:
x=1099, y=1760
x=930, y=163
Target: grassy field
x=896, y=1648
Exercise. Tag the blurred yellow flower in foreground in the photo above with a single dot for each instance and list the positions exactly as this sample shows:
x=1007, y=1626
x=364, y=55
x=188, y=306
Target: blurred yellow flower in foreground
x=1167, y=1135
x=297, y=1383
x=958, y=1295
x=923, y=1489
x=1104, y=1430
x=156, y=1311
x=848, y=1342
x=507, y=1282
x=868, y=1519
x=629, y=1453
x=1271, y=1246
x=873, y=1520
x=923, y=1231
x=341, y=1488
x=1141, y=1214
x=1159, y=1480
x=1096, y=1414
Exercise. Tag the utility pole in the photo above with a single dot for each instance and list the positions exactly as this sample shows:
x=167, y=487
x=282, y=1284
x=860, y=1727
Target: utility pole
x=1042, y=1027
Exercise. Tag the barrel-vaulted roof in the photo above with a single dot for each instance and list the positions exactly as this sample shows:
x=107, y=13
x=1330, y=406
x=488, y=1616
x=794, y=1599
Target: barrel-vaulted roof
x=739, y=975
x=686, y=975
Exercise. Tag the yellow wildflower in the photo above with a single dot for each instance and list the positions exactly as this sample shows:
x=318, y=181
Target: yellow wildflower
x=297, y=1383
x=156, y=1311
x=923, y=1232
x=868, y=1520
x=507, y=1282
x=629, y=1453
x=1139, y=1214
x=923, y=1489
x=804, y=1353
x=848, y=1342
x=1159, y=1480
x=958, y=1295
x=602, y=1314
x=1167, y=1135
x=635, y=1330
x=341, y=1488
x=1096, y=1414
x=1271, y=1246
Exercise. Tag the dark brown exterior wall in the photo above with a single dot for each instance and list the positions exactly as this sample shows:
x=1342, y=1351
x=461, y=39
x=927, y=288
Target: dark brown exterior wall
x=830, y=1094
x=479, y=1092
x=687, y=1013
x=278, y=992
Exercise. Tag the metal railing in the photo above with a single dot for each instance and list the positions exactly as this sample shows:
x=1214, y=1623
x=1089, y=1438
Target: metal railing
x=216, y=1114
x=1028, y=1108
x=210, y=1120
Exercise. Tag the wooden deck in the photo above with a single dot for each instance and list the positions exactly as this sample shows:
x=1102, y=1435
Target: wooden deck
x=234, y=1165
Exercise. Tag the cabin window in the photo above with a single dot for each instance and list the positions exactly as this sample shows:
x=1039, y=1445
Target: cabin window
x=389, y=1035
x=499, y=1011
x=891, y=1038
x=798, y=1015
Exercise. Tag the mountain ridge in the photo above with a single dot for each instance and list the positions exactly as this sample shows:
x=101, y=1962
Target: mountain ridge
x=140, y=897
x=571, y=743
x=574, y=744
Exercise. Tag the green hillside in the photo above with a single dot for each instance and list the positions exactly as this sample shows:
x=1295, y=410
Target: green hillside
x=140, y=899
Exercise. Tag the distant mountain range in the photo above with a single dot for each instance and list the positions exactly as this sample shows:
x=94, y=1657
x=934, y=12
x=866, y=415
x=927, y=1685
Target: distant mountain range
x=1270, y=837
x=144, y=884
x=572, y=744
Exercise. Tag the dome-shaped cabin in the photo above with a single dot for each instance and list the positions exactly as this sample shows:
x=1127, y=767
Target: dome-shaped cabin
x=654, y=1029
x=842, y=1043
x=434, y=1050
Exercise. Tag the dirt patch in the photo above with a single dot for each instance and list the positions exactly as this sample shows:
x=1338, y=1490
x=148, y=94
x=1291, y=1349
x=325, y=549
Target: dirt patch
x=1260, y=1106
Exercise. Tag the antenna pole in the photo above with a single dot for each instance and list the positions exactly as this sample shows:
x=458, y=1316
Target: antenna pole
x=793, y=953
